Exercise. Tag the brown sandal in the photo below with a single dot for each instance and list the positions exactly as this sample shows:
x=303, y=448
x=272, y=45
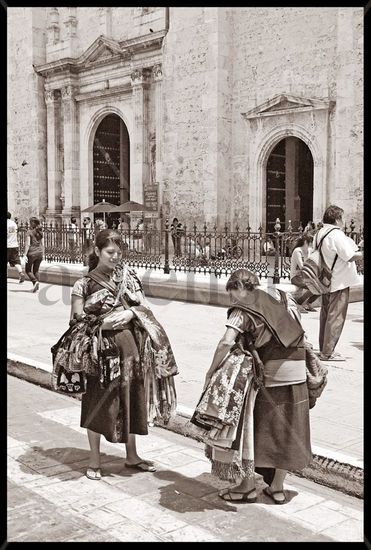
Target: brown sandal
x=143, y=466
x=271, y=494
x=244, y=496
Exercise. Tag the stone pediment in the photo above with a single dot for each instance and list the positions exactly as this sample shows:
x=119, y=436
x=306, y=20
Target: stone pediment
x=285, y=103
x=102, y=50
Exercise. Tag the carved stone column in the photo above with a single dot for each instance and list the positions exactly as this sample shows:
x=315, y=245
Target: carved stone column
x=157, y=77
x=140, y=165
x=52, y=154
x=71, y=152
x=53, y=28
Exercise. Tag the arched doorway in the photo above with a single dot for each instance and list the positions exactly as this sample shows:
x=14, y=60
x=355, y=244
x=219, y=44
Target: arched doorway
x=111, y=161
x=289, y=184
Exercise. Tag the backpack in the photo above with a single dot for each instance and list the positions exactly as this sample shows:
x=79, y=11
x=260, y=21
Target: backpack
x=315, y=273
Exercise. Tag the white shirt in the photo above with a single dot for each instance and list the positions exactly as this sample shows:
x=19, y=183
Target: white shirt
x=344, y=273
x=12, y=241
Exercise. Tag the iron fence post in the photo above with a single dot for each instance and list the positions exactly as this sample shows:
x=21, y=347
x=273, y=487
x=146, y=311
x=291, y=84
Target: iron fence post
x=276, y=274
x=166, y=266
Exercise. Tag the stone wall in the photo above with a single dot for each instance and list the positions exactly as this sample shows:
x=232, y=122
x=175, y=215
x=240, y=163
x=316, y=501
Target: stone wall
x=27, y=193
x=217, y=64
x=312, y=52
x=190, y=125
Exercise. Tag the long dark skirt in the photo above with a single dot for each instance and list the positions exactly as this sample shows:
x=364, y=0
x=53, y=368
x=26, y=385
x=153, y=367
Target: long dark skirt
x=281, y=428
x=120, y=409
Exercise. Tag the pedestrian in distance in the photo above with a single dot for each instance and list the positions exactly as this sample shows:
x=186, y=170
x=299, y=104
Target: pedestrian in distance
x=176, y=231
x=34, y=252
x=12, y=252
x=341, y=252
x=143, y=388
x=88, y=238
x=262, y=425
x=301, y=252
x=72, y=238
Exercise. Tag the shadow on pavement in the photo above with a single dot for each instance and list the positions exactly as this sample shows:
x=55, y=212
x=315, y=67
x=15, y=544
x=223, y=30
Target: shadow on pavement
x=23, y=290
x=47, y=462
x=189, y=493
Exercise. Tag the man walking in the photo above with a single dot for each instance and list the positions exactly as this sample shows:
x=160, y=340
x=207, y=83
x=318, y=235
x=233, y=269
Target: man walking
x=12, y=247
x=338, y=248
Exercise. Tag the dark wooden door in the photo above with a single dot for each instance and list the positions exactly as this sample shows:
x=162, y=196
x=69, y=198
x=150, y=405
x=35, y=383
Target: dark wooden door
x=111, y=163
x=276, y=187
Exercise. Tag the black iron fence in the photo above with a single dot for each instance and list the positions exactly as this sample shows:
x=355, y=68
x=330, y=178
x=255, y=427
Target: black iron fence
x=189, y=249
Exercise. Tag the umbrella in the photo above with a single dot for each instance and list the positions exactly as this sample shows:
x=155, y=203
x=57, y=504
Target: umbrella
x=100, y=207
x=129, y=206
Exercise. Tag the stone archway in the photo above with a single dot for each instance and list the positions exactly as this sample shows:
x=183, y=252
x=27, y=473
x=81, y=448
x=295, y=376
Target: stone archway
x=90, y=124
x=257, y=206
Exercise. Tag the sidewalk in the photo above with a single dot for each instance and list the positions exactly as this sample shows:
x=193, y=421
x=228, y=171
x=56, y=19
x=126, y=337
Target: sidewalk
x=35, y=322
x=50, y=499
x=196, y=287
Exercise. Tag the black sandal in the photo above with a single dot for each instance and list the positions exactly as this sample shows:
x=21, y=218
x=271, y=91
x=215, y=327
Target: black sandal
x=244, y=496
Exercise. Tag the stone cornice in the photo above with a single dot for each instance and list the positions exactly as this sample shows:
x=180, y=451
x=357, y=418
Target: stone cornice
x=107, y=92
x=285, y=104
x=104, y=51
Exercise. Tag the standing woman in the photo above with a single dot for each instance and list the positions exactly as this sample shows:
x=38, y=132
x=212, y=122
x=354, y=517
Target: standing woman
x=127, y=405
x=34, y=252
x=273, y=433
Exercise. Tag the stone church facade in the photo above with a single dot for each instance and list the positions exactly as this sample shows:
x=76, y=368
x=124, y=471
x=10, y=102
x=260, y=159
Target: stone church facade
x=237, y=115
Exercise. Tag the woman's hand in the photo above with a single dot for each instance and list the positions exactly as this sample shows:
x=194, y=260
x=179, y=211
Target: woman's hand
x=122, y=319
x=25, y=258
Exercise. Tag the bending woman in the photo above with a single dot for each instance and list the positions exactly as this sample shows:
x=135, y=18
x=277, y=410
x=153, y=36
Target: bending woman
x=129, y=403
x=272, y=434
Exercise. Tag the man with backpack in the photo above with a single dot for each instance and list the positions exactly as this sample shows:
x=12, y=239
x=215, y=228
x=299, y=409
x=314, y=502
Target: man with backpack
x=340, y=252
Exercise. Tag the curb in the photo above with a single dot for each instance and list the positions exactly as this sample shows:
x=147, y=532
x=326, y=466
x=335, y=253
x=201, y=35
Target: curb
x=188, y=287
x=328, y=467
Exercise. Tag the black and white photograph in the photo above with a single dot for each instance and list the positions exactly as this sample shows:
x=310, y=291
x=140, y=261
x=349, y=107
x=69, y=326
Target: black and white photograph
x=185, y=274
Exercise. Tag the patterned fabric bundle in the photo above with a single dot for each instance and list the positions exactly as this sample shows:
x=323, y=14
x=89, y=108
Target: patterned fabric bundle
x=224, y=416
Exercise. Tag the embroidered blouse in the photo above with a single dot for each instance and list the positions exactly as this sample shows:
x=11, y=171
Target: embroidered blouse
x=100, y=300
x=279, y=372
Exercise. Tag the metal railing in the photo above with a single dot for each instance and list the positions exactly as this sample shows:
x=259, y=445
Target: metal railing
x=189, y=249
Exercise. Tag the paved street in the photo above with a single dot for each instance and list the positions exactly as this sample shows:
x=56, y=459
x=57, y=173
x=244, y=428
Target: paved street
x=35, y=322
x=50, y=499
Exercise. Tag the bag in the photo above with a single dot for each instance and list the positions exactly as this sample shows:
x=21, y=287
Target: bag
x=109, y=361
x=315, y=274
x=70, y=382
x=316, y=375
x=64, y=380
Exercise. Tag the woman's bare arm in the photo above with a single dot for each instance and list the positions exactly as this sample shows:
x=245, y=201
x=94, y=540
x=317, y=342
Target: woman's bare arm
x=223, y=347
x=27, y=245
x=77, y=305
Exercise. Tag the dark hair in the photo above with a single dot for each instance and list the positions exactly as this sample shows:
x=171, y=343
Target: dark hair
x=104, y=238
x=242, y=279
x=175, y=219
x=35, y=226
x=332, y=214
x=304, y=238
x=9, y=215
x=73, y=219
